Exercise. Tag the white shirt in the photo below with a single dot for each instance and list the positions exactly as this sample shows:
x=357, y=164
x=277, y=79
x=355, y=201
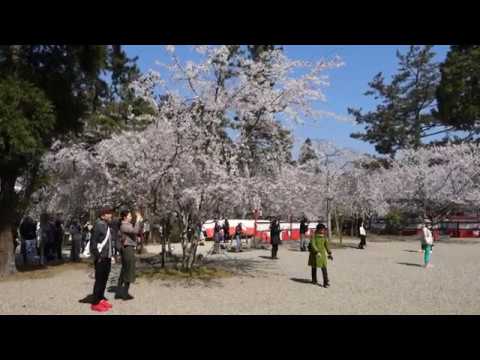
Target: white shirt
x=362, y=231
x=427, y=236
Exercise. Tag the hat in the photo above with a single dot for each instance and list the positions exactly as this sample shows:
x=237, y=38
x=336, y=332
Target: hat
x=105, y=210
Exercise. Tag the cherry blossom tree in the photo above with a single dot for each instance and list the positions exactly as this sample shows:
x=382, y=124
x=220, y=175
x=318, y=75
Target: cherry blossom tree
x=185, y=161
x=432, y=181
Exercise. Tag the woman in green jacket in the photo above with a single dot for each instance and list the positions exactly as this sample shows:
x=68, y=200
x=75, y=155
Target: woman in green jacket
x=317, y=258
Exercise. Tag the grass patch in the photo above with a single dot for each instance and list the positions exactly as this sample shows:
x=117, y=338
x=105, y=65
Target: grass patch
x=203, y=273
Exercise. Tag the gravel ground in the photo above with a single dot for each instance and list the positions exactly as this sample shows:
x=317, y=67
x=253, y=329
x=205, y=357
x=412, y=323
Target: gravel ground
x=385, y=278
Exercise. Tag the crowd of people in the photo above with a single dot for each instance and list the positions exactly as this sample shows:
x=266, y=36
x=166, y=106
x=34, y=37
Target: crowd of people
x=42, y=241
x=119, y=238
x=221, y=236
x=319, y=250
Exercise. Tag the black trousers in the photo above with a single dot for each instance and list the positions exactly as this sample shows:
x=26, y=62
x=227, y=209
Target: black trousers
x=102, y=271
x=324, y=273
x=75, y=251
x=363, y=241
x=58, y=249
x=274, y=250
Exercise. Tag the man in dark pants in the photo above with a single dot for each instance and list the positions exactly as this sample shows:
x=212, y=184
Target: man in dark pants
x=102, y=252
x=303, y=234
x=28, y=237
x=58, y=238
x=363, y=236
x=226, y=230
x=275, y=237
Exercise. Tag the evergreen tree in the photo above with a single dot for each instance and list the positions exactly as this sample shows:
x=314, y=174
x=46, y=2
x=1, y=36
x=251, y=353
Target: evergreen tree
x=458, y=94
x=46, y=94
x=307, y=153
x=405, y=114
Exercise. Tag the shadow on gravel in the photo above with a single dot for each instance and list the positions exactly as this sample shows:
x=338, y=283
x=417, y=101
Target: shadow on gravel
x=235, y=265
x=303, y=281
x=347, y=247
x=112, y=289
x=265, y=257
x=409, y=264
x=411, y=251
x=87, y=299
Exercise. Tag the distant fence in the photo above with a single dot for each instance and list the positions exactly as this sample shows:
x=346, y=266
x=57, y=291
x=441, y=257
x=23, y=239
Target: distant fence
x=289, y=231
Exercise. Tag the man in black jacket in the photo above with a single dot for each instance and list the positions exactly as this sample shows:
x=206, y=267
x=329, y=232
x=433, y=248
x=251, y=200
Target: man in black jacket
x=28, y=234
x=59, y=234
x=102, y=252
x=275, y=237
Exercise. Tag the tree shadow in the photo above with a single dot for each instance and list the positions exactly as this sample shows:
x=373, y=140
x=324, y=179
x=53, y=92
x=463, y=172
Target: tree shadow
x=112, y=289
x=31, y=267
x=295, y=249
x=235, y=265
x=409, y=264
x=350, y=247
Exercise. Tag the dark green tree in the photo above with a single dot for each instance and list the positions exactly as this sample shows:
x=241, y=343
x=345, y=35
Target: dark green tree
x=47, y=92
x=307, y=152
x=405, y=114
x=458, y=94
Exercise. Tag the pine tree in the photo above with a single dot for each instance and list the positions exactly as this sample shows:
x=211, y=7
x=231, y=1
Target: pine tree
x=46, y=92
x=406, y=112
x=458, y=94
x=307, y=152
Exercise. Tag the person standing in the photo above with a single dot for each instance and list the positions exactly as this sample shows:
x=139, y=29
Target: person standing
x=238, y=236
x=115, y=229
x=46, y=236
x=303, y=234
x=86, y=234
x=146, y=230
x=199, y=234
x=317, y=257
x=427, y=243
x=28, y=238
x=51, y=239
x=128, y=237
x=226, y=230
x=101, y=249
x=275, y=237
x=216, y=237
x=76, y=232
x=363, y=236
x=59, y=234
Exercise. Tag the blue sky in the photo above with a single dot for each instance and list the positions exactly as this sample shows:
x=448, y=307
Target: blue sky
x=347, y=84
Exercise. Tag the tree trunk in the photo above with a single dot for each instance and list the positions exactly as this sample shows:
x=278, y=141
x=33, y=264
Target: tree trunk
x=291, y=227
x=352, y=225
x=169, y=246
x=164, y=250
x=337, y=225
x=7, y=256
x=8, y=207
x=355, y=226
x=341, y=230
x=329, y=222
x=194, y=256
